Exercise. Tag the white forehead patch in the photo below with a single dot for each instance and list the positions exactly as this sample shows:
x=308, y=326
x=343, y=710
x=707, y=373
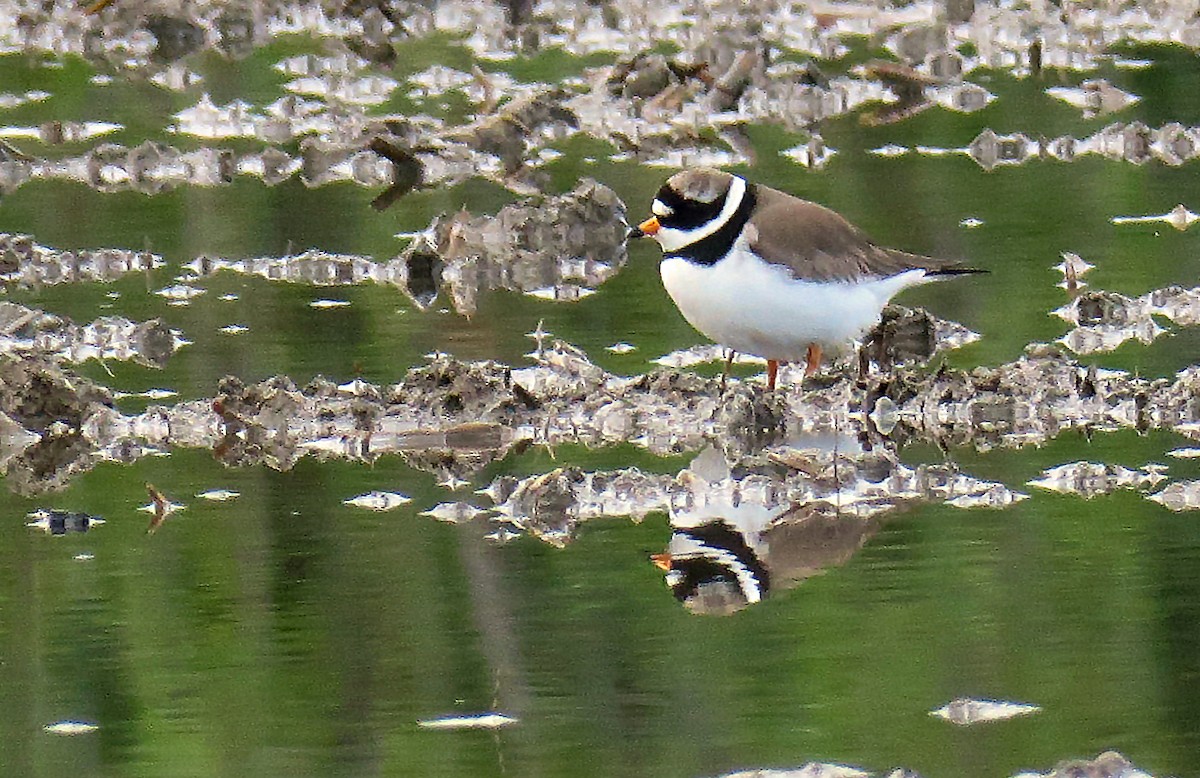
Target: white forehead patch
x=661, y=209
x=672, y=239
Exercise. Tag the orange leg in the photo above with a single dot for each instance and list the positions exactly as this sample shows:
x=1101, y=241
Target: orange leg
x=814, y=359
x=772, y=372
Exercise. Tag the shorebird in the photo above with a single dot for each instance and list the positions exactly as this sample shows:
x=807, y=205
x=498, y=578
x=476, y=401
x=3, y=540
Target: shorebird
x=762, y=272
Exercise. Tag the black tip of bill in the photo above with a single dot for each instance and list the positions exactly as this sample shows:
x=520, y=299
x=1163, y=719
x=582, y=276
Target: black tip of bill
x=634, y=232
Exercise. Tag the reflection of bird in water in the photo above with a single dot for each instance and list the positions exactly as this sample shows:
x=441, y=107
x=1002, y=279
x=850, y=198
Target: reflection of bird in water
x=712, y=569
x=733, y=542
x=720, y=567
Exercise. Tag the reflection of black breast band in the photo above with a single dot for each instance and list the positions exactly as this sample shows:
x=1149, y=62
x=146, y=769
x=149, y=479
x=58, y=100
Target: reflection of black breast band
x=725, y=542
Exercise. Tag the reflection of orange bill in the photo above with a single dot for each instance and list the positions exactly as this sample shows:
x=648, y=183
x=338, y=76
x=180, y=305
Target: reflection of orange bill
x=650, y=226
x=97, y=6
x=160, y=508
x=661, y=561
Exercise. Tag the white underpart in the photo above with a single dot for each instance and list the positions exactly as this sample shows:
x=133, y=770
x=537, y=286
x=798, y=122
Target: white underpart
x=672, y=239
x=754, y=307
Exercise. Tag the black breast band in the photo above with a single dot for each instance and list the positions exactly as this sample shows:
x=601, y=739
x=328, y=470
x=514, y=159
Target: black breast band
x=710, y=249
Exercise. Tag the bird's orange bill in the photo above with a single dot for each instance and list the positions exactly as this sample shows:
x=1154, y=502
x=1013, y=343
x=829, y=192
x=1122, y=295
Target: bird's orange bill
x=650, y=226
x=661, y=561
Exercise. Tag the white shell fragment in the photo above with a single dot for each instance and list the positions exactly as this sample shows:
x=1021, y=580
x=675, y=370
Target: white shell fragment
x=966, y=712
x=70, y=728
x=481, y=721
x=1178, y=217
x=218, y=495
x=378, y=501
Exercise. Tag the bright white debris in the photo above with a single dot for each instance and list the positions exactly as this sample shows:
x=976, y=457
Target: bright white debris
x=698, y=355
x=481, y=721
x=453, y=512
x=1179, y=496
x=70, y=728
x=985, y=495
x=149, y=394
x=621, y=348
x=1132, y=64
x=938, y=151
x=502, y=534
x=1090, y=479
x=168, y=508
x=323, y=304
x=180, y=293
x=1073, y=264
x=1094, y=97
x=378, y=501
x=809, y=770
x=355, y=388
x=710, y=465
x=966, y=712
x=1178, y=217
x=814, y=154
x=219, y=495
x=1110, y=763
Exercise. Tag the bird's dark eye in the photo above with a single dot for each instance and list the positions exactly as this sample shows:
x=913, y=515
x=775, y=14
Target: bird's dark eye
x=685, y=213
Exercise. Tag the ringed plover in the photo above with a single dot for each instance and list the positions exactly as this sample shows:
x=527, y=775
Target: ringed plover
x=762, y=272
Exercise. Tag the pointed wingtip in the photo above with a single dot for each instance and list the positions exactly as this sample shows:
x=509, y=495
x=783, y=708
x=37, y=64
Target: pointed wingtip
x=957, y=270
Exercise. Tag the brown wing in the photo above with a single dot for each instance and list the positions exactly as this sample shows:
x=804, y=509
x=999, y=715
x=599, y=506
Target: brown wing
x=817, y=244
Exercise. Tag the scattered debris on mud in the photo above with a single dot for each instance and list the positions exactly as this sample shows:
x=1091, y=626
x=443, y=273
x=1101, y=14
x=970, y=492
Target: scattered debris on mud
x=25, y=263
x=835, y=442
x=735, y=70
x=555, y=248
x=30, y=332
x=44, y=411
x=1110, y=764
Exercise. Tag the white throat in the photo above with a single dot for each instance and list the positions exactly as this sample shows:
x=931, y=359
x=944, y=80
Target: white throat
x=672, y=239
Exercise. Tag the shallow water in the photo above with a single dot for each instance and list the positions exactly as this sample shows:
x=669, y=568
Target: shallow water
x=890, y=553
